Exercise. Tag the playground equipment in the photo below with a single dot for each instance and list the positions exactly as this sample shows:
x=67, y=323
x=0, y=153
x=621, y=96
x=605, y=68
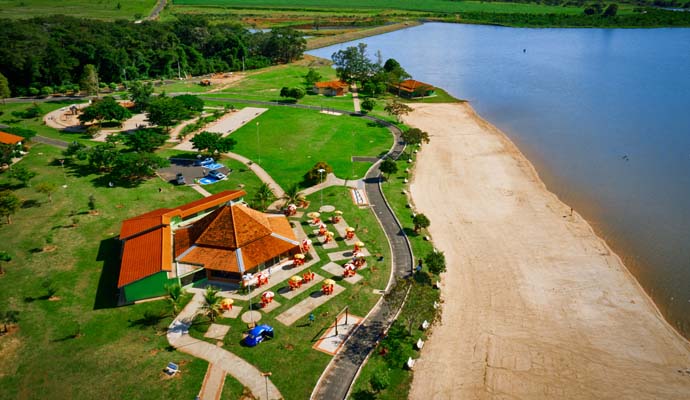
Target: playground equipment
x=298, y=259
x=349, y=232
x=267, y=298
x=295, y=282
x=328, y=286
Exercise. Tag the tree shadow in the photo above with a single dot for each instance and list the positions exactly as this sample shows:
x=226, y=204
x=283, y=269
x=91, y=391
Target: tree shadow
x=107, y=293
x=30, y=204
x=363, y=395
x=150, y=319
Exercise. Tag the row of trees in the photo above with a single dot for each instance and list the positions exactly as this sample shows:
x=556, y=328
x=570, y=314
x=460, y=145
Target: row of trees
x=353, y=65
x=56, y=51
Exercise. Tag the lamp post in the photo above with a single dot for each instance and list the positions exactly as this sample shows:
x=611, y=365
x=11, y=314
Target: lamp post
x=266, y=375
x=321, y=171
x=258, y=140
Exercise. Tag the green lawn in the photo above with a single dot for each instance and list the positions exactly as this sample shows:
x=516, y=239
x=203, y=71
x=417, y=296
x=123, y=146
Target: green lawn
x=117, y=351
x=36, y=124
x=293, y=140
x=99, y=9
x=436, y=6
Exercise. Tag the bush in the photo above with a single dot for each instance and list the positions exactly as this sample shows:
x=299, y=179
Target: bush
x=436, y=262
x=313, y=176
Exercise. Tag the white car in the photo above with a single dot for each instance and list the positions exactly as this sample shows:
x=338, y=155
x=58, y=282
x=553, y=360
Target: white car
x=217, y=174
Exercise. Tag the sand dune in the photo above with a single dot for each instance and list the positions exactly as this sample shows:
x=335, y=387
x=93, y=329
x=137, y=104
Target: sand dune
x=535, y=304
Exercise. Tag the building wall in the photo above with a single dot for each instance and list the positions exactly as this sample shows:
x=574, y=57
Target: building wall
x=151, y=286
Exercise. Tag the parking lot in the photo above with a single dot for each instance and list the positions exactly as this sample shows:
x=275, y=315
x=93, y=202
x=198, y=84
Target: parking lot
x=190, y=171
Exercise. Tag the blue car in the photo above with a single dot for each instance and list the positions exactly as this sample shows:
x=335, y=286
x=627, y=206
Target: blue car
x=258, y=334
x=204, y=162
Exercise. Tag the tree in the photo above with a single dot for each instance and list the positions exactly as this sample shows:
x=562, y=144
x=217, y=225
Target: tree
x=143, y=140
x=264, y=195
x=4, y=88
x=135, y=167
x=165, y=111
x=380, y=380
x=4, y=257
x=47, y=188
x=436, y=262
x=191, y=102
x=420, y=222
x=312, y=77
x=106, y=109
x=611, y=10
x=368, y=104
x=22, y=174
x=295, y=93
x=388, y=167
x=213, y=142
x=313, y=176
x=212, y=307
x=414, y=137
x=397, y=109
x=353, y=64
x=7, y=153
x=9, y=204
x=284, y=45
x=101, y=157
x=175, y=293
x=141, y=94
x=89, y=80
x=9, y=317
x=293, y=195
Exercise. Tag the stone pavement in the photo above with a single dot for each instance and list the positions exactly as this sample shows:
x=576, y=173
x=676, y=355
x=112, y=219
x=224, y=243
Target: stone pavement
x=199, y=190
x=214, y=380
x=248, y=375
x=305, y=306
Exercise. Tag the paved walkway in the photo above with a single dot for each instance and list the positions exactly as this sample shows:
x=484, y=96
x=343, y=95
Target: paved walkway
x=50, y=141
x=200, y=190
x=213, y=383
x=178, y=337
x=355, y=98
x=260, y=172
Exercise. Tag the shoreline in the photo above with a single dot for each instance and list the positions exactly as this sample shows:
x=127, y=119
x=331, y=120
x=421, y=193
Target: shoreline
x=589, y=315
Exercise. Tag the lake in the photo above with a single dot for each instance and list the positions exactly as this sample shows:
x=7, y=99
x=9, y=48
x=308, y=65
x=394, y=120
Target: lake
x=603, y=114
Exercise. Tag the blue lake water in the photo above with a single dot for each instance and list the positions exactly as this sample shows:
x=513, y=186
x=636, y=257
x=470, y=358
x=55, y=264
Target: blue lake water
x=603, y=114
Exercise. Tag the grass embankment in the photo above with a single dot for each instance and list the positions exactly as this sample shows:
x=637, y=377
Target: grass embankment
x=77, y=344
x=103, y=9
x=350, y=35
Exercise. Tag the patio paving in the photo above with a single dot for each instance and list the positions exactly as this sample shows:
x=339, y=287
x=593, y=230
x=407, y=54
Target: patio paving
x=300, y=234
x=270, y=306
x=347, y=254
x=337, y=270
x=330, y=245
x=217, y=331
x=234, y=313
x=307, y=305
x=340, y=228
x=251, y=316
x=330, y=343
x=289, y=294
x=326, y=208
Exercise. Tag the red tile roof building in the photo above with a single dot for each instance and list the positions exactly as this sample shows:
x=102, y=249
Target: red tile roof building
x=412, y=88
x=217, y=234
x=8, y=138
x=331, y=88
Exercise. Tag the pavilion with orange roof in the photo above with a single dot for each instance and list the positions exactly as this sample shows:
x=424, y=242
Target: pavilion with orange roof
x=217, y=238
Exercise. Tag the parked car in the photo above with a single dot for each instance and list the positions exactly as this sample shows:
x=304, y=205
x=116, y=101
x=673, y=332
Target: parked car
x=217, y=174
x=179, y=178
x=258, y=334
x=205, y=161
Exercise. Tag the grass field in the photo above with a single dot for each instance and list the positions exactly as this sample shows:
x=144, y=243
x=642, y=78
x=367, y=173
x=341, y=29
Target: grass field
x=99, y=9
x=435, y=6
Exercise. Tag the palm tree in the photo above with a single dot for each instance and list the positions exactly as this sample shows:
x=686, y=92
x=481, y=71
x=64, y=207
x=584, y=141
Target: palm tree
x=175, y=293
x=293, y=195
x=264, y=195
x=212, y=307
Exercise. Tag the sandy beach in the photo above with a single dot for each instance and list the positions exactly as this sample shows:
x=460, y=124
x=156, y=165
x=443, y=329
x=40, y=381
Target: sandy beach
x=535, y=304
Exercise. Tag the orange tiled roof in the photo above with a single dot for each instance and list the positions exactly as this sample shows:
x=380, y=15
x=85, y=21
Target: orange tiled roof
x=410, y=85
x=331, y=84
x=148, y=240
x=214, y=240
x=8, y=138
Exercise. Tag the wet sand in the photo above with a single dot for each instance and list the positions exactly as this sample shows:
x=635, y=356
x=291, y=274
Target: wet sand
x=535, y=304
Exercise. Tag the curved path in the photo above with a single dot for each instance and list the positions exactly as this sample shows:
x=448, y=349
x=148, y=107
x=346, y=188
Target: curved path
x=219, y=359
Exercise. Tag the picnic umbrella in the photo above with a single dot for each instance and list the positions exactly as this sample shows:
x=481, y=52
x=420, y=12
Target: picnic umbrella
x=359, y=244
x=267, y=295
x=338, y=212
x=328, y=282
x=313, y=214
x=329, y=233
x=299, y=256
x=349, y=229
x=296, y=278
x=227, y=302
x=350, y=266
